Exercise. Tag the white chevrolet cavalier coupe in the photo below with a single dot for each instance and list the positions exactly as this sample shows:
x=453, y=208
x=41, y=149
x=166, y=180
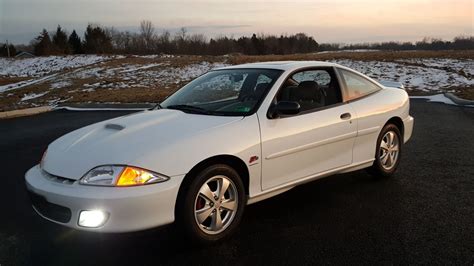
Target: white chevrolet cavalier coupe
x=232, y=137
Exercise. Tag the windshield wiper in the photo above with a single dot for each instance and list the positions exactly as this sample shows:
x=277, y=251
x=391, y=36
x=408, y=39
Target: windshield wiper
x=189, y=108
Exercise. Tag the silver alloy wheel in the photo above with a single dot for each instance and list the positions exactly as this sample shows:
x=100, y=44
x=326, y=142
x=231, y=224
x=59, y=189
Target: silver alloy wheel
x=216, y=204
x=389, y=150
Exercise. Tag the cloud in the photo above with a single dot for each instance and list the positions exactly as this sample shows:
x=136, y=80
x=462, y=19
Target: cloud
x=335, y=20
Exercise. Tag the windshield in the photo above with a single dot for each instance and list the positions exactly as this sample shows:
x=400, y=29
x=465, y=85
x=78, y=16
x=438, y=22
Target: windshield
x=224, y=92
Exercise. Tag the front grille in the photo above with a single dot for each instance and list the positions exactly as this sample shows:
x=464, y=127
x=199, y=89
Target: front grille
x=58, y=179
x=50, y=210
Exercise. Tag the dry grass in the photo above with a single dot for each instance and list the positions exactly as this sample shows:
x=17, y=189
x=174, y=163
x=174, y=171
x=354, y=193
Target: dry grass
x=176, y=61
x=157, y=92
x=362, y=56
x=9, y=80
x=465, y=92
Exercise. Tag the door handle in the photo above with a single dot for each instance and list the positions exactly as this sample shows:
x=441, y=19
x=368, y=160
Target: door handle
x=346, y=116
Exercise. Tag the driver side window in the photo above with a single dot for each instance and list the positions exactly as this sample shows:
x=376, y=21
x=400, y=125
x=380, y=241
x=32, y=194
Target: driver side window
x=312, y=89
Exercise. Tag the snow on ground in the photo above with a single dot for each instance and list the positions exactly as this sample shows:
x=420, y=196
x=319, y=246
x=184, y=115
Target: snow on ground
x=349, y=51
x=135, y=68
x=134, y=76
x=40, y=66
x=467, y=66
x=125, y=76
x=438, y=98
x=22, y=84
x=90, y=73
x=153, y=56
x=430, y=74
x=61, y=84
x=189, y=72
x=413, y=77
x=31, y=96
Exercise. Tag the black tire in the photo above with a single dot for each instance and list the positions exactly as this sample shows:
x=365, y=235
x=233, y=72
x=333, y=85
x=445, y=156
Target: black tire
x=378, y=169
x=187, y=204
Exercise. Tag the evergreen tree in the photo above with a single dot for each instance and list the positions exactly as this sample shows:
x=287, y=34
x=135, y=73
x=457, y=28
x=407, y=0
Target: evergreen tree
x=96, y=40
x=5, y=50
x=75, y=43
x=11, y=50
x=258, y=44
x=43, y=45
x=60, y=41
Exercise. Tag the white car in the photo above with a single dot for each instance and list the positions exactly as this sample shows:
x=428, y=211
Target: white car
x=232, y=137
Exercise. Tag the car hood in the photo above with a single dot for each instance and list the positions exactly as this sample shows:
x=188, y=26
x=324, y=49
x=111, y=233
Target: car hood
x=123, y=139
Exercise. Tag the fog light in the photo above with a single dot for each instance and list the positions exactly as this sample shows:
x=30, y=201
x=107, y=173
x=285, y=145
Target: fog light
x=93, y=218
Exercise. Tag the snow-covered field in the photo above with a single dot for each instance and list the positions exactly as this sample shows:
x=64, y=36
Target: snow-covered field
x=444, y=63
x=49, y=80
x=427, y=76
x=40, y=66
x=126, y=75
x=136, y=76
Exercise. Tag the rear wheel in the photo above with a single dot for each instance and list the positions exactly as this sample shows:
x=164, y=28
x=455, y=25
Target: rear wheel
x=212, y=204
x=388, y=151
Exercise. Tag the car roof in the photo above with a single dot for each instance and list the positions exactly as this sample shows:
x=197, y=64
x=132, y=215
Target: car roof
x=295, y=65
x=283, y=65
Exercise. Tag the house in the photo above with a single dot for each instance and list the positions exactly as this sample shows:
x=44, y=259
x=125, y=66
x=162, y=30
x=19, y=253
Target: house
x=24, y=55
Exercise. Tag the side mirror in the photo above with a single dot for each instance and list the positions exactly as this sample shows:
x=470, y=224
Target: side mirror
x=284, y=108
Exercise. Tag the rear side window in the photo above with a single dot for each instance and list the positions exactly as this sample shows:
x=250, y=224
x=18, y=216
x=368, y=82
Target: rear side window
x=356, y=85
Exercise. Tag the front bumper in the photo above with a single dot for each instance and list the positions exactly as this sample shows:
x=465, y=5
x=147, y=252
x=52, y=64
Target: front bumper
x=128, y=208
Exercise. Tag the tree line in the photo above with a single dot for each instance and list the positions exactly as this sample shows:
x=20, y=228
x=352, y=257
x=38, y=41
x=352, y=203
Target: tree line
x=458, y=43
x=104, y=40
x=108, y=40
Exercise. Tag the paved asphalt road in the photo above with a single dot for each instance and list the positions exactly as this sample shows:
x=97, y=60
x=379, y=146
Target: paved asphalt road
x=425, y=214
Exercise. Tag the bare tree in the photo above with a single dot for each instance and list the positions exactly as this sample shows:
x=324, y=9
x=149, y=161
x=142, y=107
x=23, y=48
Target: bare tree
x=197, y=44
x=180, y=40
x=164, y=43
x=182, y=34
x=147, y=32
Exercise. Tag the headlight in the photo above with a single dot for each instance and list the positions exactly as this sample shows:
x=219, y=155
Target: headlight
x=115, y=175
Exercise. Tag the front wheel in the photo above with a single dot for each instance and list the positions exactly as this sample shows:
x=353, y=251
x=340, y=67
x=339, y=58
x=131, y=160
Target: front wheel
x=212, y=204
x=388, y=151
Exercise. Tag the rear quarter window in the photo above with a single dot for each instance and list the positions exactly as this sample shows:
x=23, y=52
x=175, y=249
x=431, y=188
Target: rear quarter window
x=357, y=86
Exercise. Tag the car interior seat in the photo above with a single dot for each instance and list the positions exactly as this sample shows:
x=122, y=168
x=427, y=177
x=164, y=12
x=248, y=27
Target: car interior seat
x=308, y=94
x=332, y=93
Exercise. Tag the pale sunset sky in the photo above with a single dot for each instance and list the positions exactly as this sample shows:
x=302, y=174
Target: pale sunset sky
x=328, y=21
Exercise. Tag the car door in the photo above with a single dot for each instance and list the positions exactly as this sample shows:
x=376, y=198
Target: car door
x=318, y=139
x=370, y=105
